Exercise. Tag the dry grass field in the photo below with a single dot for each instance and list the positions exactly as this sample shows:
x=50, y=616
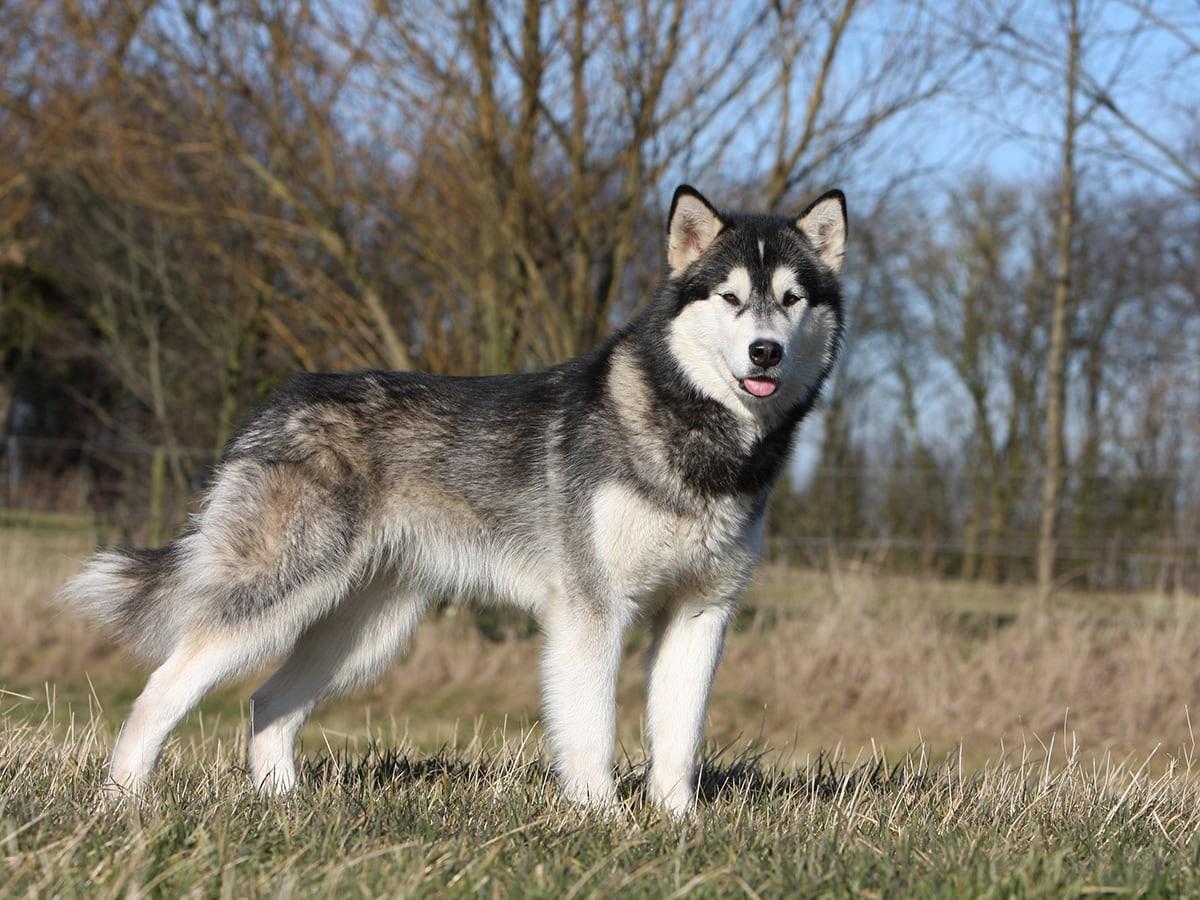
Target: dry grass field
x=868, y=735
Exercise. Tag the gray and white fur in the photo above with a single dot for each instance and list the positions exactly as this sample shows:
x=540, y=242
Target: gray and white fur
x=627, y=484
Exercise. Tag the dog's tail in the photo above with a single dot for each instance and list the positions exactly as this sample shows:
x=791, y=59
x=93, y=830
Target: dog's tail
x=134, y=593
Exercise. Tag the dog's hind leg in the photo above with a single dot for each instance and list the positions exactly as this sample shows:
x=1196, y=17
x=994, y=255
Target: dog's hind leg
x=349, y=647
x=277, y=546
x=198, y=664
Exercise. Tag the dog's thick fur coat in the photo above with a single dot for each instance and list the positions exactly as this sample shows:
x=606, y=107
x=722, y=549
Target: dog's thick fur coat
x=629, y=483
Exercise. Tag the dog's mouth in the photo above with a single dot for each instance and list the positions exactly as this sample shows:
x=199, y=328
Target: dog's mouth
x=759, y=386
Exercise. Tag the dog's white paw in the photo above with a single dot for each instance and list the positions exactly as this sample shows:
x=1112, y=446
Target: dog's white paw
x=278, y=782
x=121, y=789
x=597, y=797
x=676, y=798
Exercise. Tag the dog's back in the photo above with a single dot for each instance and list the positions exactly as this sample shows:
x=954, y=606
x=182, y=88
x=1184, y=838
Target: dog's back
x=339, y=475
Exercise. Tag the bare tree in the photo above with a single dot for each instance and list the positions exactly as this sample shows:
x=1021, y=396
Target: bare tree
x=1041, y=67
x=1151, y=127
x=1055, y=379
x=193, y=205
x=980, y=292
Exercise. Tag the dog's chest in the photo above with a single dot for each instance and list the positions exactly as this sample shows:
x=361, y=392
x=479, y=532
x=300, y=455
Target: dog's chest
x=642, y=546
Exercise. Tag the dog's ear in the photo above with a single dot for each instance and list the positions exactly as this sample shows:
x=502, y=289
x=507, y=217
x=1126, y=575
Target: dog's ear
x=824, y=224
x=691, y=227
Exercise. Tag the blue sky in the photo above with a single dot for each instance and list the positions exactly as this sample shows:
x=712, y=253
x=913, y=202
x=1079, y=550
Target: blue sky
x=1010, y=122
x=1013, y=129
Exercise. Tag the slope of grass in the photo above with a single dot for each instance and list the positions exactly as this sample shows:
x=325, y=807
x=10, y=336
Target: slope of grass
x=484, y=819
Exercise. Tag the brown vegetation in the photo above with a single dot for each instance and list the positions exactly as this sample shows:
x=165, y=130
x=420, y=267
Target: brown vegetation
x=854, y=660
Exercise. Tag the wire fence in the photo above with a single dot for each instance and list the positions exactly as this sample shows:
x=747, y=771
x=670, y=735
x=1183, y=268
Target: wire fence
x=135, y=491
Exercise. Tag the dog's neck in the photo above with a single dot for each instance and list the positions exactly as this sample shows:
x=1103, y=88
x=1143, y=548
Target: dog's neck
x=697, y=441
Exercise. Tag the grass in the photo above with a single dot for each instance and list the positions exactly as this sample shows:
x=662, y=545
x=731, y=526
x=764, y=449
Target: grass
x=484, y=819
x=1054, y=757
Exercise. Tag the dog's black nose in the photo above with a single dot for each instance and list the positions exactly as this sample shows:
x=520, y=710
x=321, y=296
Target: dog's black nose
x=765, y=353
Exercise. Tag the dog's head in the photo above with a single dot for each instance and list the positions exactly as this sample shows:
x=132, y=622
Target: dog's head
x=757, y=305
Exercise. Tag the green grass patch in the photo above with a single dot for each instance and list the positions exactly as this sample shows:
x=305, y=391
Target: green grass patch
x=485, y=819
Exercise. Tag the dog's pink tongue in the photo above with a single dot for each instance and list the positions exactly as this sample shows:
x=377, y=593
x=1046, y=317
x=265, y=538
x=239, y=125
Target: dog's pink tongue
x=760, y=387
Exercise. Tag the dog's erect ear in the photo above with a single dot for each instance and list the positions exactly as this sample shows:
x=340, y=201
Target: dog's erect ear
x=691, y=227
x=824, y=224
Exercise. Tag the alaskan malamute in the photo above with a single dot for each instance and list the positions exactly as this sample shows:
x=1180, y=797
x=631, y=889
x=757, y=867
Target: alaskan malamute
x=626, y=484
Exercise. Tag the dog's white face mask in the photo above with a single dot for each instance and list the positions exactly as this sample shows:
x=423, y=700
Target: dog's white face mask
x=758, y=331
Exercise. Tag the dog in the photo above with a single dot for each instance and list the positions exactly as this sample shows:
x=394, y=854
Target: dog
x=628, y=484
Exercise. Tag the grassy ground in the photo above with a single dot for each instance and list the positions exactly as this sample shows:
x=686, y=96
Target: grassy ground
x=1056, y=757
x=484, y=819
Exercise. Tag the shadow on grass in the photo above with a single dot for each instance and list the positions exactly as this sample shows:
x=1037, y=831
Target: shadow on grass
x=827, y=777
x=382, y=766
x=745, y=775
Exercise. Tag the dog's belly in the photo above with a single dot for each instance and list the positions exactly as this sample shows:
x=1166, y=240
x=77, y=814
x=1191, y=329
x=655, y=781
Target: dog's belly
x=643, y=548
x=447, y=552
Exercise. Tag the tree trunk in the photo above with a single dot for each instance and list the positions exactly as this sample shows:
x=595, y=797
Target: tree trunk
x=1055, y=374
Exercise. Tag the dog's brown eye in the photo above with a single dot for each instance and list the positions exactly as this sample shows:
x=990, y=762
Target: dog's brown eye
x=790, y=297
x=731, y=299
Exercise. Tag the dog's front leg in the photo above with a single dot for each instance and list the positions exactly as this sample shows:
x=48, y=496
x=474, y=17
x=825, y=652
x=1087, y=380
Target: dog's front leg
x=681, y=663
x=579, y=684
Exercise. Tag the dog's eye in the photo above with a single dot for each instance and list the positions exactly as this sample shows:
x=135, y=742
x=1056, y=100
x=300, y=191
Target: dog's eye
x=790, y=297
x=731, y=299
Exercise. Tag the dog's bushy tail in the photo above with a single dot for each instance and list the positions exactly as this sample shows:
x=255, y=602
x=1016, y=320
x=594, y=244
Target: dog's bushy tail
x=133, y=593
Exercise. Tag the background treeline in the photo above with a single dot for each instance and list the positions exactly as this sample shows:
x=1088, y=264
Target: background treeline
x=197, y=198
